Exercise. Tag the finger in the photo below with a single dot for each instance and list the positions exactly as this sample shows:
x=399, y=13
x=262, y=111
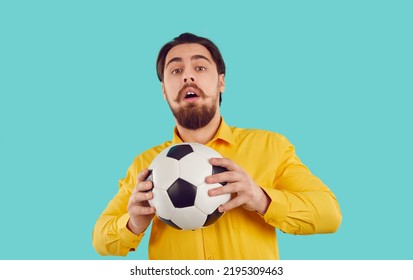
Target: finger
x=233, y=203
x=229, y=188
x=141, y=198
x=139, y=202
x=142, y=175
x=144, y=186
x=227, y=176
x=141, y=187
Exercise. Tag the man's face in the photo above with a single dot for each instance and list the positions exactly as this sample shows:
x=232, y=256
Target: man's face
x=192, y=85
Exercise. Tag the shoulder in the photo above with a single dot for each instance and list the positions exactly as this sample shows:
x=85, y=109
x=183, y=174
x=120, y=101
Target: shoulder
x=260, y=141
x=242, y=134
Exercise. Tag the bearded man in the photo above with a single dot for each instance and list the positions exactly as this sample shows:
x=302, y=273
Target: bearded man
x=270, y=187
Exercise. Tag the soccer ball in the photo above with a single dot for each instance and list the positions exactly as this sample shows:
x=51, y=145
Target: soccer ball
x=180, y=194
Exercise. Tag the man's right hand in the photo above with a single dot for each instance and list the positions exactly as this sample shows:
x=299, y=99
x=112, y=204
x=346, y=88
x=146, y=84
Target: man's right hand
x=139, y=209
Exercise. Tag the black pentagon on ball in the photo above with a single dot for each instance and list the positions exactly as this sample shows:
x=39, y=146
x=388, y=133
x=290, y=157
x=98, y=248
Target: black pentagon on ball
x=182, y=193
x=179, y=151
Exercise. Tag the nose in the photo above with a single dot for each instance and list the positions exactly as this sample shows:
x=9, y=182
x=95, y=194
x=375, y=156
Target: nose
x=189, y=80
x=188, y=77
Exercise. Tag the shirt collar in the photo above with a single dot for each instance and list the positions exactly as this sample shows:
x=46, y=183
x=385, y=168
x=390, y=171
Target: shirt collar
x=224, y=133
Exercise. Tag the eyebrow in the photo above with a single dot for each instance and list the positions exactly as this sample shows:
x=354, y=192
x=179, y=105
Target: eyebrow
x=195, y=57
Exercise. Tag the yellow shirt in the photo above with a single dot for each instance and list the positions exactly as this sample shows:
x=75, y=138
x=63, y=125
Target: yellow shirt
x=300, y=204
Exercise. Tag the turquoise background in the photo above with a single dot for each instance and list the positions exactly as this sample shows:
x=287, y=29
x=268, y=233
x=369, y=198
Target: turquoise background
x=79, y=99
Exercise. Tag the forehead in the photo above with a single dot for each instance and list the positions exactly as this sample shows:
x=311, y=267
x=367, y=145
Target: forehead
x=187, y=51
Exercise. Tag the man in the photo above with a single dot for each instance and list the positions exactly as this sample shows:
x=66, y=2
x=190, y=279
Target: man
x=270, y=187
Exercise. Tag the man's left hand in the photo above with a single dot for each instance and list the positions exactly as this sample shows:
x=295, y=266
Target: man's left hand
x=245, y=192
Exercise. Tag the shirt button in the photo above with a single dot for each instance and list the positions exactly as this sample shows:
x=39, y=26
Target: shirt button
x=210, y=258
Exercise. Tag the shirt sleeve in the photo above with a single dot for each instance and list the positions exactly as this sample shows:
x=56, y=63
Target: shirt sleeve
x=110, y=234
x=300, y=202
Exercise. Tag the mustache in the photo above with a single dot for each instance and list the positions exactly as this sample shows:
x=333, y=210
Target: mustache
x=182, y=92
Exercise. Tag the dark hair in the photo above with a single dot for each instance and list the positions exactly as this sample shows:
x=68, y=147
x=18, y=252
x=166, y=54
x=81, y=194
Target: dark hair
x=187, y=38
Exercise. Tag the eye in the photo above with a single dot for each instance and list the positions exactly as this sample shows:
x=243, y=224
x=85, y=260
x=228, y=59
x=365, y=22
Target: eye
x=200, y=68
x=176, y=71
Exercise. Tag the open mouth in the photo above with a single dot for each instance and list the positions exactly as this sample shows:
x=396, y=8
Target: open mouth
x=191, y=96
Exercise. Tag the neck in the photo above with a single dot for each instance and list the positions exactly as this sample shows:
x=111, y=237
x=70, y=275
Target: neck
x=202, y=135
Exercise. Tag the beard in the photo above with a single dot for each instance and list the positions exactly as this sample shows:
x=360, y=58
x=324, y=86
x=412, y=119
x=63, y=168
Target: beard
x=192, y=116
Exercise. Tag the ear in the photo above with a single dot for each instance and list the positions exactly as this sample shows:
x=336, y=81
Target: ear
x=221, y=83
x=163, y=91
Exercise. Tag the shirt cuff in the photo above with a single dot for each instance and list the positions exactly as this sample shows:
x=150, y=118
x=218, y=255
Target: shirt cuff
x=129, y=240
x=278, y=208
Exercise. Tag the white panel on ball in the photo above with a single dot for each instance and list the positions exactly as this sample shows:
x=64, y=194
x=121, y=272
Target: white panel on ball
x=165, y=173
x=189, y=218
x=158, y=158
x=194, y=168
x=162, y=203
x=208, y=204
